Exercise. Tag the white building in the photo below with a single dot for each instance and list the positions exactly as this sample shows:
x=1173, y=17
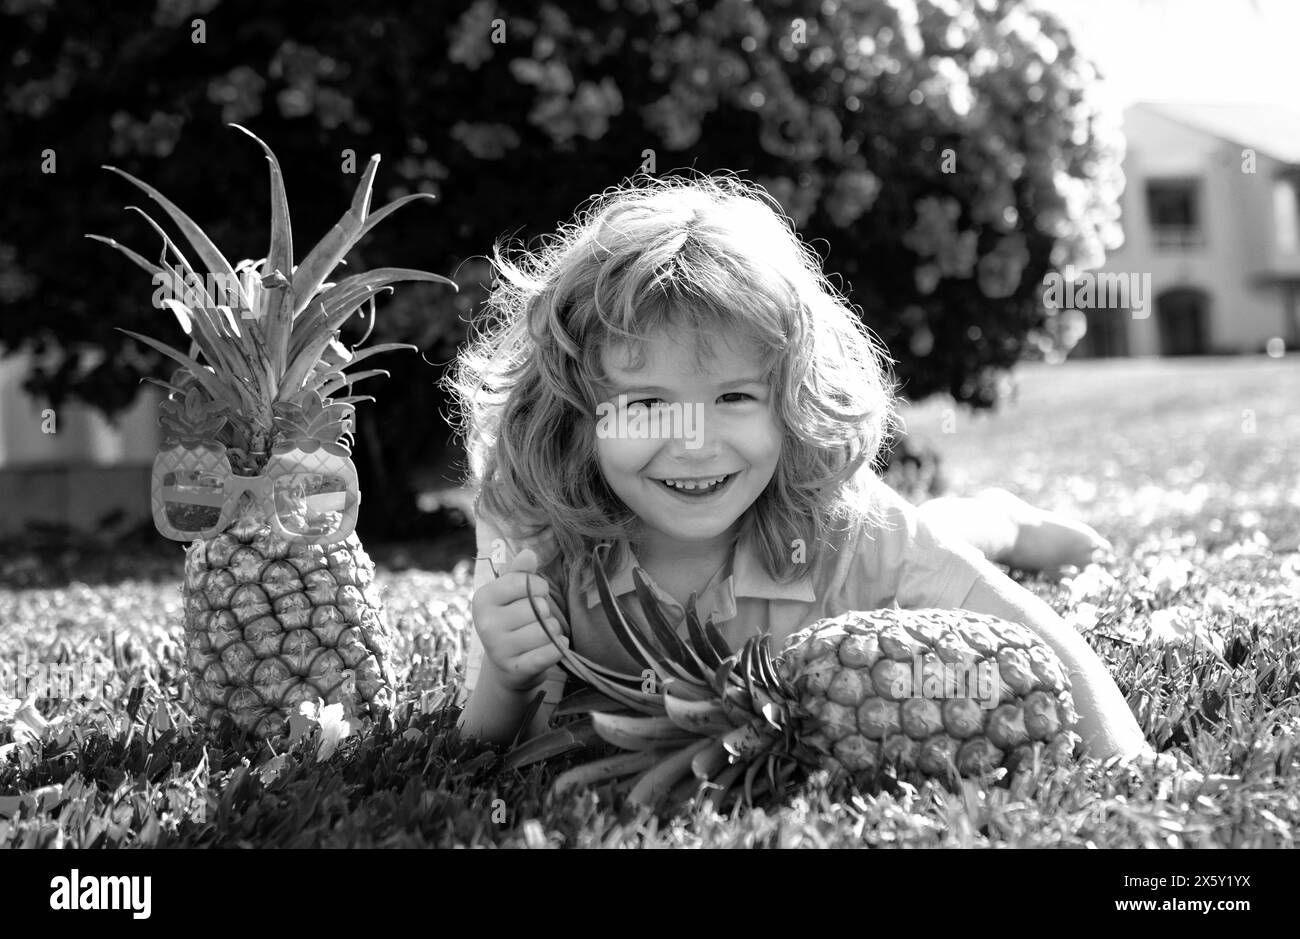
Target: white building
x=84, y=470
x=1211, y=211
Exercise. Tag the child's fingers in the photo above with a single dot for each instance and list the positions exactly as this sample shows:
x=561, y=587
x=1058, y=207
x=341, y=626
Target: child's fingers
x=530, y=637
x=520, y=613
x=510, y=635
x=531, y=667
x=531, y=653
x=516, y=585
x=511, y=588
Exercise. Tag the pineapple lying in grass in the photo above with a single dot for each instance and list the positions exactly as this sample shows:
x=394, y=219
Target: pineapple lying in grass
x=841, y=695
x=255, y=470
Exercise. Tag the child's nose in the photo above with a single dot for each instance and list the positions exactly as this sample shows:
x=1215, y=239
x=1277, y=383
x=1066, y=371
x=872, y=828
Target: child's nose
x=693, y=439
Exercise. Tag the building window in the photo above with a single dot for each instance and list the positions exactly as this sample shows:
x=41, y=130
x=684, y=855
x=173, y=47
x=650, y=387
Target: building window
x=1173, y=208
x=1286, y=226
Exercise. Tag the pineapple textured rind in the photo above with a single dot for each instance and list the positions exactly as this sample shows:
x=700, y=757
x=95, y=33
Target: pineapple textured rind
x=269, y=626
x=870, y=658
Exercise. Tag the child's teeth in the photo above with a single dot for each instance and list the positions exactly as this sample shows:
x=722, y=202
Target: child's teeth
x=692, y=484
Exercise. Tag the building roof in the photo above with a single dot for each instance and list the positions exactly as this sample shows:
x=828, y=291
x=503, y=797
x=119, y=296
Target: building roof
x=1265, y=128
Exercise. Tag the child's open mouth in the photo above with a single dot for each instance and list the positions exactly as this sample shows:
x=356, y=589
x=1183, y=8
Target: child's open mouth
x=698, y=488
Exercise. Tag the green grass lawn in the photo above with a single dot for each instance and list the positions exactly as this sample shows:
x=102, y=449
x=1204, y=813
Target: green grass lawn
x=1191, y=468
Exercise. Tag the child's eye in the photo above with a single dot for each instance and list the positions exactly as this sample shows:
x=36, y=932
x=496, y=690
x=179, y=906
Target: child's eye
x=738, y=396
x=645, y=402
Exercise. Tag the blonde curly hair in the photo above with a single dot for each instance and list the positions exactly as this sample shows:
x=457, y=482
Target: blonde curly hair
x=701, y=257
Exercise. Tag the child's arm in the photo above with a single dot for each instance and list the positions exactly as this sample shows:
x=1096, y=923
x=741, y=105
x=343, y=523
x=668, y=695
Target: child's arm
x=931, y=566
x=494, y=710
x=975, y=521
x=1010, y=531
x=1106, y=724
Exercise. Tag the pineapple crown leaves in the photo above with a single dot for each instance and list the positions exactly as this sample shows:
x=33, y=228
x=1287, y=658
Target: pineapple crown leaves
x=191, y=418
x=720, y=720
x=701, y=668
x=295, y=314
x=704, y=660
x=309, y=418
x=178, y=384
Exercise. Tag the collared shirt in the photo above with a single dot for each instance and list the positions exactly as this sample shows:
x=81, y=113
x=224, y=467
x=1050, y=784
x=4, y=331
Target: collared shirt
x=903, y=562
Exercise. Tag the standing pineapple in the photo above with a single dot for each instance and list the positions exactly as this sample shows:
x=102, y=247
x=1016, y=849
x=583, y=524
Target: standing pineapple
x=255, y=468
x=850, y=694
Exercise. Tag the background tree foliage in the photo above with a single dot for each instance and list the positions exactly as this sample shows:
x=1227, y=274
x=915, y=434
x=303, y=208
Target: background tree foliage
x=943, y=155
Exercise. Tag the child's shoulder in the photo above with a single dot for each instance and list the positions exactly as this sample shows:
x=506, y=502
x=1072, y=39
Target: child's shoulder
x=891, y=547
x=879, y=530
x=869, y=534
x=875, y=512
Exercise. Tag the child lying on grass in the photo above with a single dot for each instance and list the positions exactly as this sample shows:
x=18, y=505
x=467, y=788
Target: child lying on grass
x=692, y=306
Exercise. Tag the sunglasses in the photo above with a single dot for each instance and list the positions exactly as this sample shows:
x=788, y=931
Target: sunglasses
x=306, y=497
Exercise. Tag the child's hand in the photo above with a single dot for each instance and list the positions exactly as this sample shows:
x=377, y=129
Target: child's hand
x=1046, y=541
x=514, y=642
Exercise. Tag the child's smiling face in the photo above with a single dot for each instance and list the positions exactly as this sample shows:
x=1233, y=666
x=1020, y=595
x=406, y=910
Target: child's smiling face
x=735, y=435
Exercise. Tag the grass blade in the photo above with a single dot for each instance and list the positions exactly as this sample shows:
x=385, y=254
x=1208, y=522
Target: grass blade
x=529, y=713
x=556, y=742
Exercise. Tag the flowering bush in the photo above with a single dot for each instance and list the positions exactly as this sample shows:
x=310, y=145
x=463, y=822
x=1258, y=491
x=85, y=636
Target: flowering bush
x=949, y=155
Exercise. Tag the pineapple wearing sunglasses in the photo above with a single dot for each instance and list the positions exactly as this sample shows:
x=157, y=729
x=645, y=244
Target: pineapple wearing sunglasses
x=255, y=470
